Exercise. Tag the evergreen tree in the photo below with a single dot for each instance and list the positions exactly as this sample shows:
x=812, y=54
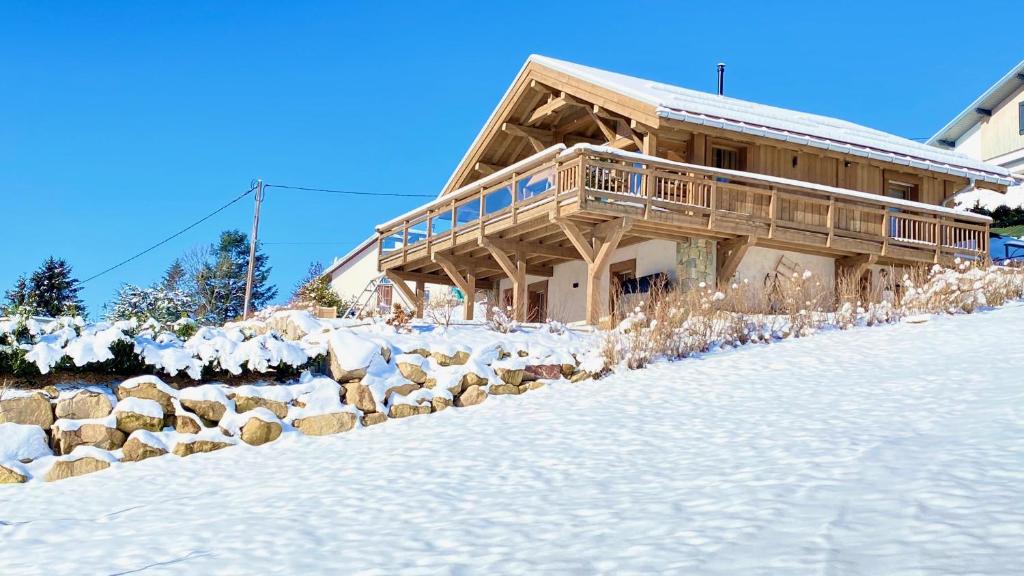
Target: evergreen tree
x=19, y=297
x=219, y=282
x=158, y=302
x=50, y=291
x=315, y=288
x=174, y=276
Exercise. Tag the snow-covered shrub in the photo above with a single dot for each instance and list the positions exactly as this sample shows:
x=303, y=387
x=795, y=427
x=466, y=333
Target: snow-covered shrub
x=399, y=319
x=965, y=288
x=441, y=308
x=804, y=301
x=163, y=304
x=500, y=321
x=632, y=343
x=555, y=327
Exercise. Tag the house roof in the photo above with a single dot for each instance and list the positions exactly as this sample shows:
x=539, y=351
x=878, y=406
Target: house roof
x=965, y=120
x=779, y=123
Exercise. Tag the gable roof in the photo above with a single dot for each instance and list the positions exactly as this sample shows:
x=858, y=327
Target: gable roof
x=723, y=112
x=782, y=124
x=996, y=93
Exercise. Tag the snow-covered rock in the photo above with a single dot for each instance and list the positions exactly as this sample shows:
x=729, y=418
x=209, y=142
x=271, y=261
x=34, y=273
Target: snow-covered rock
x=22, y=442
x=30, y=408
x=138, y=414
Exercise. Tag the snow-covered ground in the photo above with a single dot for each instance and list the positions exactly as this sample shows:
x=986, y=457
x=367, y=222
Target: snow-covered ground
x=892, y=450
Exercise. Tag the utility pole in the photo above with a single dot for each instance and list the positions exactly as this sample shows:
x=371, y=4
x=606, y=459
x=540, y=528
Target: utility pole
x=252, y=249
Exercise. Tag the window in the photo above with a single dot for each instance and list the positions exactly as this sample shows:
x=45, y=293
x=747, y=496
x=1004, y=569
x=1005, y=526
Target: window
x=1020, y=117
x=728, y=158
x=901, y=190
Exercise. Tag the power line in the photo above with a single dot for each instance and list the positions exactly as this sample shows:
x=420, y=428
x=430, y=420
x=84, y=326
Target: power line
x=350, y=192
x=172, y=236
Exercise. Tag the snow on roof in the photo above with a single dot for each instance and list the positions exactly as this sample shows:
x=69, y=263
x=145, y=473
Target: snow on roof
x=988, y=100
x=779, y=123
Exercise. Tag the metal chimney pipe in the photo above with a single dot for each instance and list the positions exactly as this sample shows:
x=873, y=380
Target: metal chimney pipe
x=721, y=78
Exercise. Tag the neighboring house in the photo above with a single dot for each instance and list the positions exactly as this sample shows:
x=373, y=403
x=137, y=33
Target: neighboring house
x=355, y=278
x=991, y=129
x=584, y=182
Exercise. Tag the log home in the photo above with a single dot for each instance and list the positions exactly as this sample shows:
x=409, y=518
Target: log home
x=584, y=180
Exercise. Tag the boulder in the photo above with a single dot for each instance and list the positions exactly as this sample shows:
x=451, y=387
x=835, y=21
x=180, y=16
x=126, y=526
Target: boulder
x=502, y=389
x=101, y=434
x=84, y=405
x=32, y=409
x=325, y=424
x=149, y=388
x=190, y=447
x=568, y=370
x=246, y=403
x=543, y=372
x=532, y=385
x=421, y=351
x=470, y=396
x=439, y=403
x=413, y=367
x=209, y=411
x=510, y=376
x=374, y=418
x=137, y=414
x=580, y=376
x=187, y=423
x=136, y=450
x=360, y=396
x=406, y=410
x=10, y=476
x=23, y=443
x=446, y=358
x=258, y=431
x=62, y=469
x=350, y=355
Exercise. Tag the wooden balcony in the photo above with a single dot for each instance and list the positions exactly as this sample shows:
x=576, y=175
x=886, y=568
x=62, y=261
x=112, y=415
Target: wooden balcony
x=581, y=203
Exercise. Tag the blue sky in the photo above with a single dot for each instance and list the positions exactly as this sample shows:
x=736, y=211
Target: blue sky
x=120, y=123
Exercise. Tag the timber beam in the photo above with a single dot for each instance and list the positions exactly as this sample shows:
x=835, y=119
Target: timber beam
x=553, y=106
x=855, y=265
x=485, y=168
x=537, y=249
x=539, y=139
x=399, y=281
x=467, y=283
x=515, y=269
x=730, y=254
x=596, y=250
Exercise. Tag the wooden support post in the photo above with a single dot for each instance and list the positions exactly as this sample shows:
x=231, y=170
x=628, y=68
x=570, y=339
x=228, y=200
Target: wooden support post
x=596, y=252
x=730, y=254
x=854, y=265
x=421, y=292
x=466, y=284
x=469, y=294
x=516, y=272
x=398, y=282
x=830, y=220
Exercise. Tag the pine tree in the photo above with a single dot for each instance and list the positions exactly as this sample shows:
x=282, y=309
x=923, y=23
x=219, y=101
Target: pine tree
x=219, y=283
x=50, y=291
x=19, y=297
x=315, y=288
x=174, y=276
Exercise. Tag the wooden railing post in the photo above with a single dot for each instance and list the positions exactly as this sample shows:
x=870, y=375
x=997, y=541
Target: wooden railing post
x=886, y=231
x=405, y=242
x=830, y=219
x=937, y=230
x=582, y=184
x=713, y=202
x=483, y=212
x=649, y=183
x=515, y=200
x=772, y=207
x=430, y=229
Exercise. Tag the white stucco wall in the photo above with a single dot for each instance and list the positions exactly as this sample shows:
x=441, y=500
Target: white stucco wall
x=568, y=303
x=759, y=262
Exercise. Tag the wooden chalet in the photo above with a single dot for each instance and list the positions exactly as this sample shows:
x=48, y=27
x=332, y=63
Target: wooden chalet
x=582, y=178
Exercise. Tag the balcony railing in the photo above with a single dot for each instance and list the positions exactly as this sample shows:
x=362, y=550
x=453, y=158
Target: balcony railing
x=600, y=179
